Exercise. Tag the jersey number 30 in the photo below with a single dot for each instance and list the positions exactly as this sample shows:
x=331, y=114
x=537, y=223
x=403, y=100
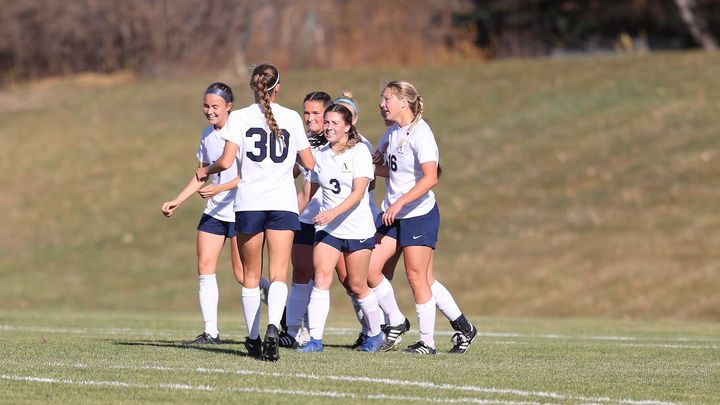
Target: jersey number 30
x=260, y=152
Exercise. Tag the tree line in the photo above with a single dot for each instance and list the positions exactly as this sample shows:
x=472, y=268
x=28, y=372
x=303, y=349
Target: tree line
x=40, y=38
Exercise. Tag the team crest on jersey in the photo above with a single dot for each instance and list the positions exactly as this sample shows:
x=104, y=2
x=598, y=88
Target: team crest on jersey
x=345, y=168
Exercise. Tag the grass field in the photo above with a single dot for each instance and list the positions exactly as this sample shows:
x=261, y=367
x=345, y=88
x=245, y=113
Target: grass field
x=108, y=357
x=580, y=230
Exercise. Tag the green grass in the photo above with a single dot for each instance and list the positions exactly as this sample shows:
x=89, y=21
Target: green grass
x=571, y=188
x=111, y=357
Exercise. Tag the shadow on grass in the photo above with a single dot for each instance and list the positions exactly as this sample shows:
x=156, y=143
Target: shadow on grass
x=187, y=346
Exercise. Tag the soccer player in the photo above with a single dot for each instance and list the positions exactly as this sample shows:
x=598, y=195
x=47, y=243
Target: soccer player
x=314, y=106
x=411, y=218
x=218, y=220
x=344, y=227
x=267, y=139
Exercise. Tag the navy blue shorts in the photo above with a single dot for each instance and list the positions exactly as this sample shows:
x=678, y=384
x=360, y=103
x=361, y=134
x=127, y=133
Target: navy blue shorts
x=345, y=245
x=215, y=226
x=416, y=231
x=250, y=222
x=305, y=236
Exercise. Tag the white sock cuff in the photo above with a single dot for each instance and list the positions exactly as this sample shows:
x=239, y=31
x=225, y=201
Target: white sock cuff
x=369, y=298
x=206, y=277
x=426, y=307
x=383, y=288
x=251, y=292
x=320, y=293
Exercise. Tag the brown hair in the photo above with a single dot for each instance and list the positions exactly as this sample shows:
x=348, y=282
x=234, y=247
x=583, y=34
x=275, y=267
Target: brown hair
x=262, y=82
x=346, y=114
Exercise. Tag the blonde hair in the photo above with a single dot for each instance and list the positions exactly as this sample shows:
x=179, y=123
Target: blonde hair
x=347, y=99
x=408, y=92
x=264, y=79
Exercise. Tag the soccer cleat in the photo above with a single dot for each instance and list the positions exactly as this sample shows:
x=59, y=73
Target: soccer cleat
x=206, y=339
x=287, y=340
x=420, y=348
x=461, y=340
x=372, y=343
x=253, y=347
x=393, y=335
x=270, y=345
x=359, y=341
x=313, y=346
x=302, y=337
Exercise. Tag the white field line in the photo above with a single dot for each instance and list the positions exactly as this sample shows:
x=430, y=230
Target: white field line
x=255, y=390
x=680, y=342
x=383, y=381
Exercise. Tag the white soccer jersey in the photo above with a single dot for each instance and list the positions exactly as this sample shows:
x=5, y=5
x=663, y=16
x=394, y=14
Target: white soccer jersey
x=209, y=150
x=335, y=174
x=265, y=164
x=313, y=207
x=405, y=152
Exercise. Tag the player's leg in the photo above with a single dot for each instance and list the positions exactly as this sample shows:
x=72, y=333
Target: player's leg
x=357, y=268
x=325, y=257
x=209, y=247
x=397, y=324
x=445, y=302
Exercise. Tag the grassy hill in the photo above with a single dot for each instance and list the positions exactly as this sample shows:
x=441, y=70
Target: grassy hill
x=583, y=187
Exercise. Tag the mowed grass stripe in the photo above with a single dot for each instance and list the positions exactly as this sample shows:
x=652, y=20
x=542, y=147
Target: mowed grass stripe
x=273, y=391
x=381, y=381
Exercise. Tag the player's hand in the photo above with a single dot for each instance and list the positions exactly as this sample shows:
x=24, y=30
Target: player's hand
x=388, y=217
x=208, y=191
x=324, y=217
x=201, y=173
x=169, y=207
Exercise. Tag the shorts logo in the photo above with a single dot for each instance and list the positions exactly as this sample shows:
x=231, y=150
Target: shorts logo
x=363, y=240
x=417, y=237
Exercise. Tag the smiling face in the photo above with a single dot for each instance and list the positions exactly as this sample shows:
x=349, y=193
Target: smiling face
x=336, y=129
x=313, y=116
x=216, y=110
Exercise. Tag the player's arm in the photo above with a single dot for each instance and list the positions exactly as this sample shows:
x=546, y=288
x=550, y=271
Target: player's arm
x=359, y=186
x=305, y=194
x=305, y=159
x=211, y=190
x=421, y=187
x=223, y=163
x=191, y=188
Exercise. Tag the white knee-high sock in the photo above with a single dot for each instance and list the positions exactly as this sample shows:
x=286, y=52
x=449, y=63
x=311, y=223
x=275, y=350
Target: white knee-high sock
x=318, y=312
x=426, y=321
x=445, y=301
x=372, y=313
x=208, y=296
x=386, y=299
x=297, y=305
x=251, y=310
x=357, y=308
x=277, y=297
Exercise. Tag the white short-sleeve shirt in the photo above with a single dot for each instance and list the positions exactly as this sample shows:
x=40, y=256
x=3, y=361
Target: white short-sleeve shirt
x=405, y=153
x=209, y=150
x=335, y=174
x=313, y=207
x=264, y=162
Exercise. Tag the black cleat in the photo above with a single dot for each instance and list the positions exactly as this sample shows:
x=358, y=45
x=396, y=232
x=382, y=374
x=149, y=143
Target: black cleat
x=420, y=348
x=359, y=341
x=206, y=339
x=287, y=341
x=253, y=347
x=271, y=344
x=393, y=335
x=461, y=340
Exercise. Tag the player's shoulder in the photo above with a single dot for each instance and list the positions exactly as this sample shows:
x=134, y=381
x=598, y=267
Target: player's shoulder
x=206, y=132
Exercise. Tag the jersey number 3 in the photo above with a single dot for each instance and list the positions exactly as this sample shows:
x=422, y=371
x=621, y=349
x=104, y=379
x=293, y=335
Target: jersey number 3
x=262, y=146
